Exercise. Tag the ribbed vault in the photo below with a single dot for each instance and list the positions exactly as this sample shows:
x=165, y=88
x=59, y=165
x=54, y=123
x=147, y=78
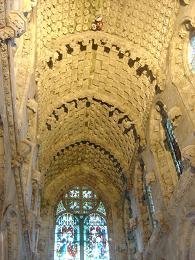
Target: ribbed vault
x=145, y=23
x=84, y=176
x=98, y=86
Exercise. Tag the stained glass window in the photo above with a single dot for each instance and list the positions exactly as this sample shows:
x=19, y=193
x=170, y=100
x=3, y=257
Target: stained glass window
x=192, y=53
x=81, y=230
x=171, y=140
x=67, y=238
x=95, y=238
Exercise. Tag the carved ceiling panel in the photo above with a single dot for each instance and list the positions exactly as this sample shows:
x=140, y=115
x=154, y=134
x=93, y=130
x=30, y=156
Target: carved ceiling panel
x=146, y=24
x=98, y=85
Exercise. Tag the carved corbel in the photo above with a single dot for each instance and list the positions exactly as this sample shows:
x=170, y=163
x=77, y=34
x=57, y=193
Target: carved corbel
x=15, y=26
x=188, y=154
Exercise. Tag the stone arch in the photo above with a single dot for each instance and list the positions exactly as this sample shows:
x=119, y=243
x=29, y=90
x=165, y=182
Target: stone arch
x=103, y=188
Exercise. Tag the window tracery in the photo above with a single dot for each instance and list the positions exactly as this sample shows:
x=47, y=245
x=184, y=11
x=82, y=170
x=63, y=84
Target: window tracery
x=171, y=140
x=191, y=54
x=81, y=229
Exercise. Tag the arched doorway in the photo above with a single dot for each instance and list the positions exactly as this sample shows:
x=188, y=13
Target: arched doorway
x=81, y=231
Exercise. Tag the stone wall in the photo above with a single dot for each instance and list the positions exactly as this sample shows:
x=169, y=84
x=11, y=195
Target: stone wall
x=79, y=106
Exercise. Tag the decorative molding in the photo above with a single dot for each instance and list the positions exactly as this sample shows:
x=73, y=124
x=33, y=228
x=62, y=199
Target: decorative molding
x=15, y=26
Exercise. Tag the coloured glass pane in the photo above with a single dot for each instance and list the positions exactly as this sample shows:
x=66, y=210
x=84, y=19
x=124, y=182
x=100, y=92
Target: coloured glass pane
x=101, y=208
x=88, y=194
x=95, y=238
x=81, y=233
x=60, y=208
x=67, y=238
x=87, y=205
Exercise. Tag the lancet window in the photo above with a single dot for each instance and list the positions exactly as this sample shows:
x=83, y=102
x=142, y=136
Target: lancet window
x=81, y=231
x=171, y=140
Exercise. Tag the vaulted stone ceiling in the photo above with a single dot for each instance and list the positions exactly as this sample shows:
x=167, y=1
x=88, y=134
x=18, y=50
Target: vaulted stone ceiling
x=95, y=89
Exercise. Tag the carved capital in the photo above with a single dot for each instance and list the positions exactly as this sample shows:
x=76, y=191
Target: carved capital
x=15, y=26
x=188, y=154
